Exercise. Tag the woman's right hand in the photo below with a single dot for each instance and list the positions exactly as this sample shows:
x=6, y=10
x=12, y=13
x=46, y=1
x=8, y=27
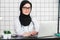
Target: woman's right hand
x=26, y=34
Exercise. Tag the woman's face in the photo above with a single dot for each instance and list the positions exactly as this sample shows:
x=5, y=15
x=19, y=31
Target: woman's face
x=26, y=9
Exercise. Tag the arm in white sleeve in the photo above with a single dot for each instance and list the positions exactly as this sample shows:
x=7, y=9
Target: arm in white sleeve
x=17, y=26
x=36, y=24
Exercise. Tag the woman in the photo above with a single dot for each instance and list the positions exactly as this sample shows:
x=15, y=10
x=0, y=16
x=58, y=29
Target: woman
x=24, y=24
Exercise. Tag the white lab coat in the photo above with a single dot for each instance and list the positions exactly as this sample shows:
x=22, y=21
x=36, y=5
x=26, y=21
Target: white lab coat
x=20, y=30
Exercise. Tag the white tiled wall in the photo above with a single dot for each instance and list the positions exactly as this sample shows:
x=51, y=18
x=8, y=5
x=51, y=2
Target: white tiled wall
x=45, y=11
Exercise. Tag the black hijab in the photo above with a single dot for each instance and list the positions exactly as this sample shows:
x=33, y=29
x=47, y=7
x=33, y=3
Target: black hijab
x=25, y=20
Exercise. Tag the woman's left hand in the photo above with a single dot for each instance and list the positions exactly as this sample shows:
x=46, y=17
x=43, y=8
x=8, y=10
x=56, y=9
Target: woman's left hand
x=34, y=33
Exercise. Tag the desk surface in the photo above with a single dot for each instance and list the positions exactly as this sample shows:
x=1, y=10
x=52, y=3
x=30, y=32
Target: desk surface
x=46, y=37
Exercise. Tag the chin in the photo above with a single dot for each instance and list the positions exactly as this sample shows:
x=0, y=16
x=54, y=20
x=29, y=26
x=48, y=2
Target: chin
x=26, y=14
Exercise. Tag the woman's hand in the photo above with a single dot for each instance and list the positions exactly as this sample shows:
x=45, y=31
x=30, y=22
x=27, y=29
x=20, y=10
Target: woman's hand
x=27, y=34
x=34, y=33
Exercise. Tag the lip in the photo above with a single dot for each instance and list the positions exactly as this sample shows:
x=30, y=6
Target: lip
x=26, y=12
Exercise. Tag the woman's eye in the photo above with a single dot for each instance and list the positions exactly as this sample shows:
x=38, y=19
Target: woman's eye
x=26, y=7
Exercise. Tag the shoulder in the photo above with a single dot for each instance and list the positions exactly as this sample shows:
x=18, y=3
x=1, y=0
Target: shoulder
x=34, y=19
x=17, y=22
x=16, y=19
x=36, y=22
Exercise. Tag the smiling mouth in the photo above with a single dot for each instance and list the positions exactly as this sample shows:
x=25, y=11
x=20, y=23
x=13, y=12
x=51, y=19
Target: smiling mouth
x=26, y=12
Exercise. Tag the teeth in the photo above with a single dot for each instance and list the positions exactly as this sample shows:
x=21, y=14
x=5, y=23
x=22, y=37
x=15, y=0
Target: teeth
x=1, y=18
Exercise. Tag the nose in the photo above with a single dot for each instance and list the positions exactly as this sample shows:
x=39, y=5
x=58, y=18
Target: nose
x=27, y=9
